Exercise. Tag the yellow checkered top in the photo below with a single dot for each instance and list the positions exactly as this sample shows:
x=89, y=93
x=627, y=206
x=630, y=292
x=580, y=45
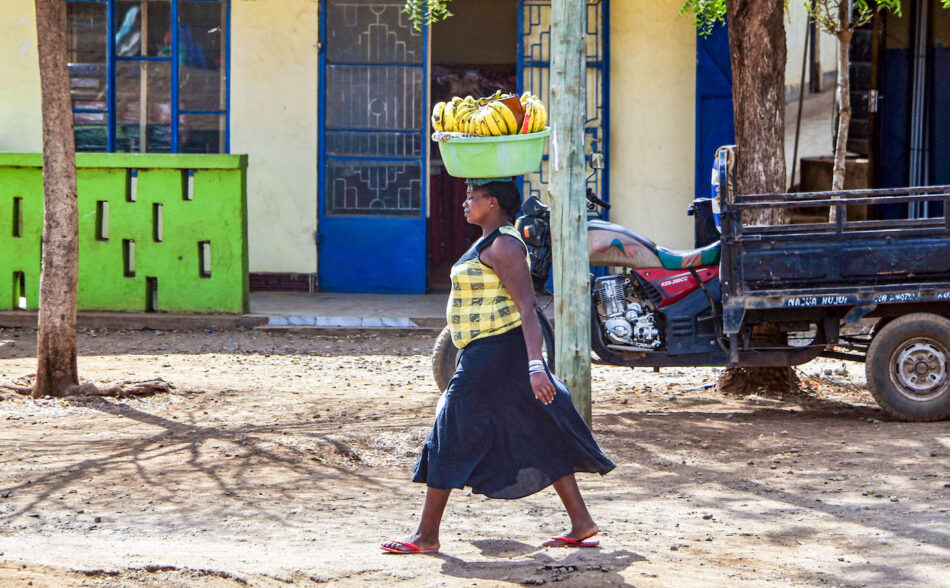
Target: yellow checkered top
x=479, y=305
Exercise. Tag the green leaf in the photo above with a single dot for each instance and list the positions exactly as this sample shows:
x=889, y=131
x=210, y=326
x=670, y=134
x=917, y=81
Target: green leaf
x=708, y=14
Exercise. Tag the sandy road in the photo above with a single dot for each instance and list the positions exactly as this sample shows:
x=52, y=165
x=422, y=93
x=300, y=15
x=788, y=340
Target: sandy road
x=283, y=460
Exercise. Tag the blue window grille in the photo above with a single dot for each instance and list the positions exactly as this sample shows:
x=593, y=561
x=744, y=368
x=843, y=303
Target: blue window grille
x=150, y=75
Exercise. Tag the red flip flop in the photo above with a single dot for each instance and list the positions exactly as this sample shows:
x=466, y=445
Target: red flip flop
x=568, y=542
x=410, y=548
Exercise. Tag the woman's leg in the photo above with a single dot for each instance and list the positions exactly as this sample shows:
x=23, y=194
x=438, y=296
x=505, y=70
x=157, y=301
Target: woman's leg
x=426, y=536
x=582, y=525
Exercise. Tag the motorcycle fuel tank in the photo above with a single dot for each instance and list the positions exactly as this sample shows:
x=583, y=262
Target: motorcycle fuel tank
x=664, y=287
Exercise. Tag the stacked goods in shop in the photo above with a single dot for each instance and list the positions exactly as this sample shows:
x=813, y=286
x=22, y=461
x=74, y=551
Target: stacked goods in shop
x=493, y=116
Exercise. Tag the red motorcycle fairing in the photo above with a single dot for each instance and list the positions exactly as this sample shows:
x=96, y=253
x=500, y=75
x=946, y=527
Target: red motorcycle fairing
x=664, y=287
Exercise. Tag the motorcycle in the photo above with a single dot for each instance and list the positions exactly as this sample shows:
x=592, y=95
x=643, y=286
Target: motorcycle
x=658, y=291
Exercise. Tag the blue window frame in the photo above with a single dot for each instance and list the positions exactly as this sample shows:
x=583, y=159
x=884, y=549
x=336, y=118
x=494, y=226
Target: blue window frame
x=150, y=75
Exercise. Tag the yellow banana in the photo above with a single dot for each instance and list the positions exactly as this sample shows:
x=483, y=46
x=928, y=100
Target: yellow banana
x=540, y=116
x=448, y=117
x=484, y=129
x=526, y=126
x=463, y=117
x=437, y=116
x=508, y=116
x=525, y=96
x=475, y=123
x=492, y=118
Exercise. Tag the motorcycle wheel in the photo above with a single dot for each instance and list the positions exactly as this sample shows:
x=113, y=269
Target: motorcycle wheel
x=445, y=353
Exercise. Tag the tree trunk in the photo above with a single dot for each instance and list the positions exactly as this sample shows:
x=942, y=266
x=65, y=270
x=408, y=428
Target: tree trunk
x=758, y=55
x=56, y=371
x=844, y=99
x=757, y=50
x=568, y=203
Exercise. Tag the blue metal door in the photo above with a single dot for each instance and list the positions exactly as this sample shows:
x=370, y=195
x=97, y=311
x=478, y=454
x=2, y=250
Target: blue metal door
x=714, y=119
x=534, y=59
x=371, y=234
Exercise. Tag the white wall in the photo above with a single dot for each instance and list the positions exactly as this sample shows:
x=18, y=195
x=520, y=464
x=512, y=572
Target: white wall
x=274, y=120
x=652, y=119
x=21, y=120
x=795, y=26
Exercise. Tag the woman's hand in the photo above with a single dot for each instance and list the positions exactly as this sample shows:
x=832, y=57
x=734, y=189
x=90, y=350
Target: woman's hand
x=543, y=388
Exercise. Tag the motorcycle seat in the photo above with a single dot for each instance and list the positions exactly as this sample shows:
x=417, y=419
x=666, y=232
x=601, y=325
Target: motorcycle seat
x=683, y=258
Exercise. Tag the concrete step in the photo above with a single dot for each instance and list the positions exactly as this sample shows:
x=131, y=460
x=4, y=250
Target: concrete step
x=342, y=331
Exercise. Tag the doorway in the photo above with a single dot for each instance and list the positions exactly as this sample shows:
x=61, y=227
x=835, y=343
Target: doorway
x=492, y=44
x=474, y=52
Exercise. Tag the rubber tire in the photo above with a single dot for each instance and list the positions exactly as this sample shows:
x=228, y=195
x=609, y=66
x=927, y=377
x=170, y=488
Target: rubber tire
x=445, y=353
x=885, y=343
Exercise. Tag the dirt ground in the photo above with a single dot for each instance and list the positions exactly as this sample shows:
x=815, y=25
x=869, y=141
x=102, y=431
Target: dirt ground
x=283, y=460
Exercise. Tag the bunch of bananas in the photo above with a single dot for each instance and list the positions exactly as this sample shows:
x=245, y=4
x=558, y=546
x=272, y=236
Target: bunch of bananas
x=535, y=113
x=494, y=115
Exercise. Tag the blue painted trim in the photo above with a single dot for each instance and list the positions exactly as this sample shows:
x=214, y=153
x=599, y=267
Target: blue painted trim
x=369, y=131
x=111, y=75
x=227, y=80
x=519, y=70
x=602, y=64
x=322, y=116
x=176, y=59
x=605, y=104
x=204, y=112
x=144, y=58
x=381, y=63
x=372, y=159
x=333, y=227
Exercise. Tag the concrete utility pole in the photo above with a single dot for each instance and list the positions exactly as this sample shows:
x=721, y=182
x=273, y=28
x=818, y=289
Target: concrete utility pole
x=568, y=203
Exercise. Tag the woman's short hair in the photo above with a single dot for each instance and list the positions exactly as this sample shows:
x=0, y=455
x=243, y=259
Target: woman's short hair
x=507, y=194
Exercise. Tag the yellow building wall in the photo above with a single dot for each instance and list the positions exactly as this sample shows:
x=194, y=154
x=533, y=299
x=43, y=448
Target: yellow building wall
x=21, y=119
x=652, y=119
x=274, y=120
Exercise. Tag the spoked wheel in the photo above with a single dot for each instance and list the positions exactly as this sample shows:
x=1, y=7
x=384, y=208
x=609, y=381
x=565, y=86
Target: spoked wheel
x=908, y=367
x=445, y=354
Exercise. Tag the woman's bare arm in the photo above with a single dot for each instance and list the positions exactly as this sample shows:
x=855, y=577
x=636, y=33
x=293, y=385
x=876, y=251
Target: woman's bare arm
x=506, y=255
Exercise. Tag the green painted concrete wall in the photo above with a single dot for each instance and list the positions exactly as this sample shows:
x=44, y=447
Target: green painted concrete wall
x=216, y=215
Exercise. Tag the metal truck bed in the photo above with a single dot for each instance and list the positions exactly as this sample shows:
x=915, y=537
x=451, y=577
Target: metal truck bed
x=848, y=261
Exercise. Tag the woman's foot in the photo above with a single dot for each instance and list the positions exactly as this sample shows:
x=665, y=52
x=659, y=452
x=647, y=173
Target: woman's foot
x=411, y=544
x=577, y=537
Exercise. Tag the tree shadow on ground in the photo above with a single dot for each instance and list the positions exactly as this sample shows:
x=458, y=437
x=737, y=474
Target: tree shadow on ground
x=182, y=448
x=844, y=433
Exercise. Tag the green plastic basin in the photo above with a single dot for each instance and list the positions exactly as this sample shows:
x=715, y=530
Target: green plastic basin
x=493, y=157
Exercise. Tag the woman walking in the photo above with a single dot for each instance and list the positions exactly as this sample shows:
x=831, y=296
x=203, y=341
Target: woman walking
x=507, y=428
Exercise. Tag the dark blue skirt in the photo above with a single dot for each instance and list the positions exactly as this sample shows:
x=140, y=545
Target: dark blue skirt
x=493, y=435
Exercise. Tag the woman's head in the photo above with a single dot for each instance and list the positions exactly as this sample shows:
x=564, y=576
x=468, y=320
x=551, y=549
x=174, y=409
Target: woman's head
x=502, y=195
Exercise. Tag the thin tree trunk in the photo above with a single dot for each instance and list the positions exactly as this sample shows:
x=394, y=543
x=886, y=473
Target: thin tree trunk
x=56, y=370
x=758, y=55
x=844, y=100
x=568, y=210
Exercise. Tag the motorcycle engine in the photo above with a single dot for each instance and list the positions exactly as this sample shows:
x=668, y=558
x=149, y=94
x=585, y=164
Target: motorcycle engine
x=625, y=322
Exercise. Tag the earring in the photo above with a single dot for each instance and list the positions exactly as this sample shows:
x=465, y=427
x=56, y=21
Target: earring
x=492, y=205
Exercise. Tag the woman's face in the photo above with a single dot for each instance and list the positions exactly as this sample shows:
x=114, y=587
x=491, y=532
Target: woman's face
x=478, y=205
